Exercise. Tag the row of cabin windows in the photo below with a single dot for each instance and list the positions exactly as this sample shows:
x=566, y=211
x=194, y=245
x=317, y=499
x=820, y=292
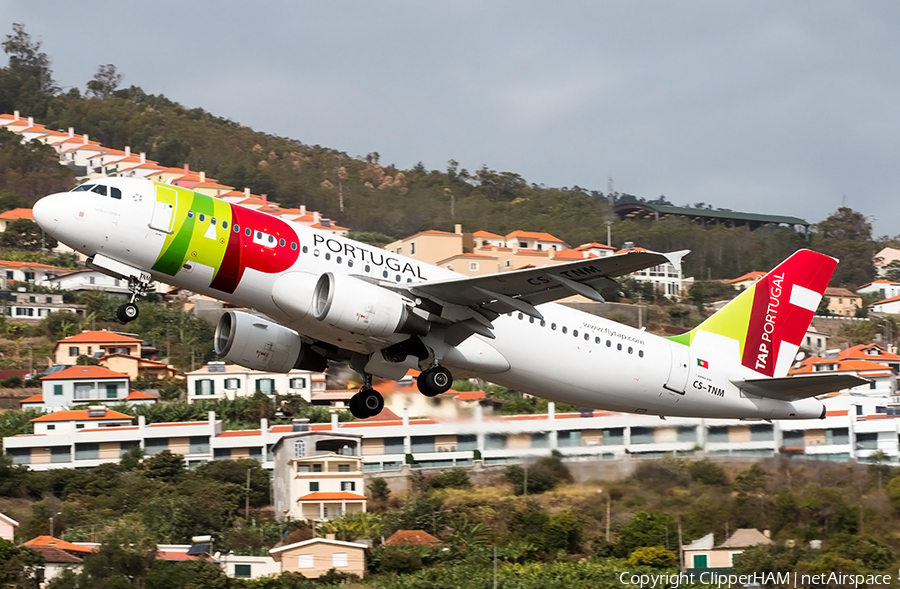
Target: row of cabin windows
x=340, y=260
x=259, y=237
x=585, y=335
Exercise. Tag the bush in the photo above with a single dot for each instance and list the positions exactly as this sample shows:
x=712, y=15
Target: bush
x=653, y=556
x=543, y=475
x=455, y=478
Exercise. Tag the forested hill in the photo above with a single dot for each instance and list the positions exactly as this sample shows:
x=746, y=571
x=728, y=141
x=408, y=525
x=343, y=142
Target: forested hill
x=376, y=196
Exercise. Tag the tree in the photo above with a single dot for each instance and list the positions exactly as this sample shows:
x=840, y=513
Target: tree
x=25, y=56
x=646, y=528
x=847, y=236
x=18, y=565
x=164, y=466
x=105, y=81
x=25, y=234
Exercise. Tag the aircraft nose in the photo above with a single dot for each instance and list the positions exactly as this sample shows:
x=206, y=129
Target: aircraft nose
x=46, y=212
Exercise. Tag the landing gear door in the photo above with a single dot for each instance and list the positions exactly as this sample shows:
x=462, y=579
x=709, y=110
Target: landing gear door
x=164, y=209
x=679, y=368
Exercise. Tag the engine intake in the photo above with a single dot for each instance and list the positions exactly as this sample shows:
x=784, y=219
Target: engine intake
x=357, y=306
x=257, y=343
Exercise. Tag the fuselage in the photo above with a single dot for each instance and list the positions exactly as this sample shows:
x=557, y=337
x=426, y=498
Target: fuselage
x=255, y=260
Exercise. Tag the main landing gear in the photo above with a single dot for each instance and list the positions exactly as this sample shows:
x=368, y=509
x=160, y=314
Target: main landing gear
x=138, y=287
x=367, y=402
x=434, y=381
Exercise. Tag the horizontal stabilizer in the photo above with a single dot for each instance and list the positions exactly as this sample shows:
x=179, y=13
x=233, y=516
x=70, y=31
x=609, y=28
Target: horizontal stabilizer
x=791, y=388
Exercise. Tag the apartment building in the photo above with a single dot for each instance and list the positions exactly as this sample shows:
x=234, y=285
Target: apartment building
x=854, y=428
x=81, y=385
x=317, y=475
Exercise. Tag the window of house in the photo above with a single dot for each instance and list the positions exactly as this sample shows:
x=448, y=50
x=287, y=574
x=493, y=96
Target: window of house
x=29, y=276
x=473, y=265
x=412, y=249
x=298, y=383
x=343, y=468
x=92, y=280
x=339, y=559
x=112, y=391
x=204, y=386
x=57, y=389
x=83, y=390
x=232, y=384
x=317, y=468
x=265, y=385
x=242, y=571
x=9, y=275
x=51, y=427
x=299, y=448
x=313, y=486
x=73, y=350
x=348, y=486
x=305, y=561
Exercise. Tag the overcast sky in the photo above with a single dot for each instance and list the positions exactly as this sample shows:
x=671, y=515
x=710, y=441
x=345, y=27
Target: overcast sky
x=773, y=107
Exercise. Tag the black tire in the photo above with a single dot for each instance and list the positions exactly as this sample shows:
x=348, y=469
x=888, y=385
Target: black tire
x=371, y=402
x=434, y=381
x=355, y=408
x=127, y=312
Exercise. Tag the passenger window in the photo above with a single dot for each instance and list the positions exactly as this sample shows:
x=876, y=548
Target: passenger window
x=248, y=232
x=339, y=259
x=236, y=227
x=327, y=256
x=565, y=329
x=619, y=347
x=115, y=193
x=384, y=274
x=224, y=224
x=587, y=336
x=575, y=333
x=640, y=353
x=281, y=242
x=190, y=214
x=202, y=216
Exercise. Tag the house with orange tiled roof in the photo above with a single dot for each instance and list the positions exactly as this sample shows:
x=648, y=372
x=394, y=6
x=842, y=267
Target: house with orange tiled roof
x=316, y=557
x=70, y=421
x=14, y=214
x=486, y=238
x=84, y=385
x=329, y=226
x=29, y=272
x=211, y=188
x=429, y=246
x=889, y=306
x=318, y=475
x=871, y=353
x=882, y=378
x=135, y=366
x=534, y=240
x=218, y=380
x=746, y=281
x=473, y=264
x=91, y=343
x=886, y=289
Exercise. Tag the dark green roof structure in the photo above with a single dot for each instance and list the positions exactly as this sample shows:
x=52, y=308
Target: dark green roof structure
x=639, y=210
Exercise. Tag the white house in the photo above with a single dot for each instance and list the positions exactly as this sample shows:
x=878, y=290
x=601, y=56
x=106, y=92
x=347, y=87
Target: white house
x=82, y=384
x=318, y=475
x=889, y=306
x=884, y=288
x=533, y=240
x=218, y=380
x=239, y=566
x=8, y=527
x=32, y=306
x=84, y=280
x=666, y=278
x=29, y=272
x=313, y=558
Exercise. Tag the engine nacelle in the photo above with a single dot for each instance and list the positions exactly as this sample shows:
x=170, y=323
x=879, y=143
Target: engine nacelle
x=257, y=343
x=357, y=306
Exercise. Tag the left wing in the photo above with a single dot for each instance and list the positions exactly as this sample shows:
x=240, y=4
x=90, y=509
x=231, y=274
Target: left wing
x=477, y=301
x=791, y=388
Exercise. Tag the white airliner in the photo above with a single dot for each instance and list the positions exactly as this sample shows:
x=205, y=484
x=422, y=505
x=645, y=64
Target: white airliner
x=321, y=297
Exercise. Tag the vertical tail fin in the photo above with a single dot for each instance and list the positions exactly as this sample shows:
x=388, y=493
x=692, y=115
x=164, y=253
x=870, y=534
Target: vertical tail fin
x=769, y=319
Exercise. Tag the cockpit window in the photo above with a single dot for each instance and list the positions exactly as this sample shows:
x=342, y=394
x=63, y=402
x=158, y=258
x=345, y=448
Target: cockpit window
x=99, y=189
x=115, y=192
x=82, y=188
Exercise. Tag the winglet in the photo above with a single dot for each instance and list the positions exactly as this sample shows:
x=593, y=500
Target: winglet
x=675, y=257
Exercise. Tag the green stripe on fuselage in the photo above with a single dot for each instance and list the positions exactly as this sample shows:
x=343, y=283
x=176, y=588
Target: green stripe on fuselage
x=174, y=252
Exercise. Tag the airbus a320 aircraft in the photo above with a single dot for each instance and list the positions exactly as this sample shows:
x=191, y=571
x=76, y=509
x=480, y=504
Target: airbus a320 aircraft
x=321, y=297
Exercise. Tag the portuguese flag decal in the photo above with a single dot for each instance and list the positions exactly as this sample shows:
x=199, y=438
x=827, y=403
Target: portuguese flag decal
x=702, y=363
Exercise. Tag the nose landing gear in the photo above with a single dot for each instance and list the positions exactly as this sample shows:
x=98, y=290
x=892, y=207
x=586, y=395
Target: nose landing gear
x=138, y=287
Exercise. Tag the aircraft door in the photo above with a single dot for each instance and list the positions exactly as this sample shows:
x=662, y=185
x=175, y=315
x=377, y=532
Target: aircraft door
x=164, y=209
x=679, y=368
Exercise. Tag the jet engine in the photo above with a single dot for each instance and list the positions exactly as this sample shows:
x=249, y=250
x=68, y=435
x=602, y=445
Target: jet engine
x=357, y=306
x=257, y=343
